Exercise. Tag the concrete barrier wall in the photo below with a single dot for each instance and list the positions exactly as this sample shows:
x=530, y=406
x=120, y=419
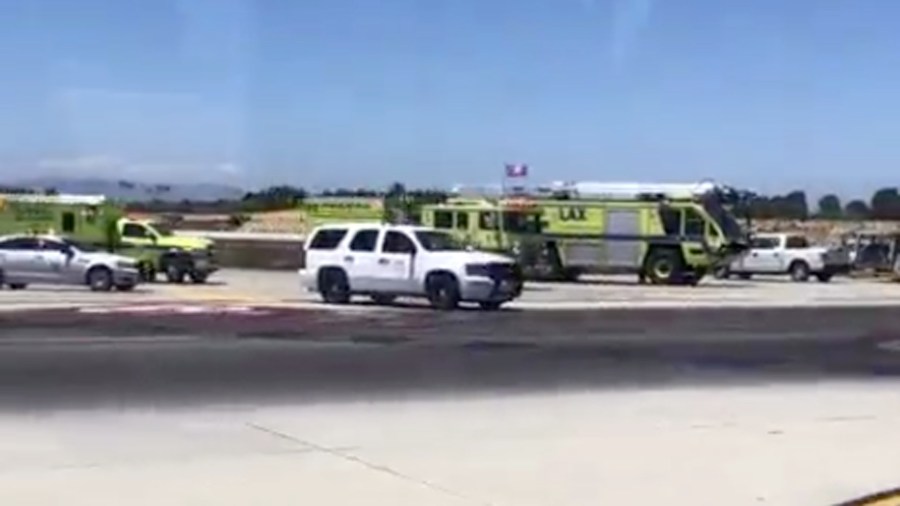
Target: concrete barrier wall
x=259, y=254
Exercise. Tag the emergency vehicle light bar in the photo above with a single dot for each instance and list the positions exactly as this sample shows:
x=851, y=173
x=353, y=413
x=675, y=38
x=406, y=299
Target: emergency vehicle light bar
x=89, y=200
x=590, y=189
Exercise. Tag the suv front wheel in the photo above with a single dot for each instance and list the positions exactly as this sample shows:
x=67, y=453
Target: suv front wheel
x=443, y=291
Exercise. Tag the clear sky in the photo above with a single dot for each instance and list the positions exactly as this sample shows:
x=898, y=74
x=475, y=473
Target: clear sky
x=767, y=93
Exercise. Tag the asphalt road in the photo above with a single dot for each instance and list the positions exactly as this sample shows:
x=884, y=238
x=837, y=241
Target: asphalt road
x=65, y=358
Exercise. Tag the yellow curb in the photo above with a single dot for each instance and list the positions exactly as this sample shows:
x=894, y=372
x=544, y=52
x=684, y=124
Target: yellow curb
x=887, y=498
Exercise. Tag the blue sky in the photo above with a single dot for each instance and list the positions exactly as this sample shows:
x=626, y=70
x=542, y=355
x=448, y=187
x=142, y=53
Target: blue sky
x=771, y=94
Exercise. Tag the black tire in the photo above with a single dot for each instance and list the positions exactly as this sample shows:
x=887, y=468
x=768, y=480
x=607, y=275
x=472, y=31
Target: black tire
x=443, y=291
x=824, y=277
x=799, y=271
x=490, y=305
x=334, y=287
x=383, y=299
x=17, y=286
x=147, y=272
x=100, y=279
x=745, y=276
x=664, y=267
x=174, y=274
x=198, y=278
x=571, y=274
x=721, y=273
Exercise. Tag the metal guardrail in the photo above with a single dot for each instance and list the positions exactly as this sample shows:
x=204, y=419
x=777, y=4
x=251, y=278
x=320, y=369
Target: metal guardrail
x=248, y=250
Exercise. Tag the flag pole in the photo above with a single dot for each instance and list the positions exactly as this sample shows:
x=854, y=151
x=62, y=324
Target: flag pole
x=500, y=213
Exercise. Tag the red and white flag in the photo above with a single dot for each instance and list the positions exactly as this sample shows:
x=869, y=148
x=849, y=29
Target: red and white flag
x=516, y=170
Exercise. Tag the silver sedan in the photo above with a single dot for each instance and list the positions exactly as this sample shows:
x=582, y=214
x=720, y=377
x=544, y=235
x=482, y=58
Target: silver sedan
x=29, y=259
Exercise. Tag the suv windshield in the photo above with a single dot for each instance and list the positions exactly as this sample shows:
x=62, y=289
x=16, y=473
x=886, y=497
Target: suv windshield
x=439, y=241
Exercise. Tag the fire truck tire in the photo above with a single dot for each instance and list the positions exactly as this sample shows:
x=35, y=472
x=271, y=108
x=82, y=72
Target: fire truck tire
x=664, y=266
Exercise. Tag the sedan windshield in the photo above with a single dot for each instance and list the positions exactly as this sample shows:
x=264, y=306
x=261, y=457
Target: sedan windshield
x=439, y=241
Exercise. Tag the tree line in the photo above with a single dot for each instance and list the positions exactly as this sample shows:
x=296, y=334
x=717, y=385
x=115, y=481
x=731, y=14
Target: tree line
x=883, y=205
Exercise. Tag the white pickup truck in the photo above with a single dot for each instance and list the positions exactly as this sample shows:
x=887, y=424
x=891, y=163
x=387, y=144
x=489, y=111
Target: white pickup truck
x=387, y=261
x=789, y=254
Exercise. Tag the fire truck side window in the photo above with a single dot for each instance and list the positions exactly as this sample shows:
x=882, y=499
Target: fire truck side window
x=671, y=220
x=443, y=219
x=68, y=222
x=462, y=220
x=487, y=220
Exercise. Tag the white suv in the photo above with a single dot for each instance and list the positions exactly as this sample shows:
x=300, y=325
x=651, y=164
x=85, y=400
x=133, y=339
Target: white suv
x=386, y=261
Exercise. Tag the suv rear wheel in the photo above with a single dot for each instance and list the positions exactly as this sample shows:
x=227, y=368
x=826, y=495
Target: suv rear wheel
x=334, y=287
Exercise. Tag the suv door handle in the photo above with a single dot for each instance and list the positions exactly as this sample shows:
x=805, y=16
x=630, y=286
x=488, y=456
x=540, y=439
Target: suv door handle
x=383, y=261
x=348, y=259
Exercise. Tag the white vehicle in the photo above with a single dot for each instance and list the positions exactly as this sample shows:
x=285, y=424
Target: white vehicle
x=386, y=261
x=47, y=259
x=788, y=254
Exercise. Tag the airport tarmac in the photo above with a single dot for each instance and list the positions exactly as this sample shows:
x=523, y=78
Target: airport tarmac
x=740, y=393
x=190, y=418
x=282, y=288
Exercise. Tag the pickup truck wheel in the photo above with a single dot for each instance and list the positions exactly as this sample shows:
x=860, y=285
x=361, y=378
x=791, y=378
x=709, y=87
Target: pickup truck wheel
x=490, y=305
x=824, y=277
x=443, y=292
x=147, y=272
x=17, y=286
x=198, y=278
x=100, y=279
x=799, y=271
x=334, y=287
x=663, y=267
x=174, y=274
x=721, y=273
x=383, y=299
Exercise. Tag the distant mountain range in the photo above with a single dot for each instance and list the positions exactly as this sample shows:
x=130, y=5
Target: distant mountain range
x=133, y=191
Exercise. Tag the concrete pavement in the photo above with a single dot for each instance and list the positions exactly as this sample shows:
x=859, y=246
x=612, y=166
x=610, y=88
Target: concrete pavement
x=281, y=288
x=696, y=404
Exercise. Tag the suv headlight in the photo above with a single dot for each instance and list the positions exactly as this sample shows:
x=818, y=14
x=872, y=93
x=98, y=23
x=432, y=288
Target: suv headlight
x=480, y=270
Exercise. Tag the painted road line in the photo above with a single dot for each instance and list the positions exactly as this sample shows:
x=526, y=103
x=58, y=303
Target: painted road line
x=216, y=294
x=193, y=309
